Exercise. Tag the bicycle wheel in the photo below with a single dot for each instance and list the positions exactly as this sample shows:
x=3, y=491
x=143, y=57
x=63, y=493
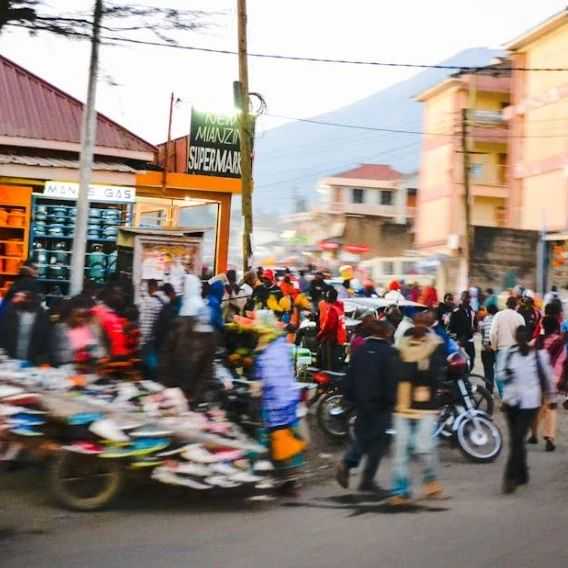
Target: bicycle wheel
x=479, y=439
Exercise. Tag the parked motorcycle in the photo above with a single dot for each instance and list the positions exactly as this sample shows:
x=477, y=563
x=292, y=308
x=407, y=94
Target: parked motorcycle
x=461, y=420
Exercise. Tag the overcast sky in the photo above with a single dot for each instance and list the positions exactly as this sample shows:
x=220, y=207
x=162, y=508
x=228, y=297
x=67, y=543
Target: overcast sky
x=135, y=81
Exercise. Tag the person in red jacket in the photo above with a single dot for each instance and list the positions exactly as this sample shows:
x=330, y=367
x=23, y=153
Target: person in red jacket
x=332, y=333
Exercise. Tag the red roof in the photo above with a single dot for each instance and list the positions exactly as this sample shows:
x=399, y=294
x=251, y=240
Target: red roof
x=380, y=172
x=33, y=108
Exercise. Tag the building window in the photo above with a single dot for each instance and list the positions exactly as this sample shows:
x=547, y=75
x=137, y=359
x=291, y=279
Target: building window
x=149, y=219
x=476, y=171
x=409, y=267
x=388, y=268
x=386, y=197
x=358, y=196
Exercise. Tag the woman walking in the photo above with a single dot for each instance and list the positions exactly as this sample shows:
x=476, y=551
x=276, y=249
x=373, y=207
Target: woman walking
x=553, y=342
x=528, y=382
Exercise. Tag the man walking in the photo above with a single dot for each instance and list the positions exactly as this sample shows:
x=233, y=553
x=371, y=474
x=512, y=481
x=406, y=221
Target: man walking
x=370, y=386
x=488, y=354
x=332, y=332
x=463, y=324
x=421, y=366
x=502, y=335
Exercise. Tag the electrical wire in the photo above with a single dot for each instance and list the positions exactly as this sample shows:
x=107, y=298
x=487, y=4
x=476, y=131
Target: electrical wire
x=311, y=59
x=398, y=149
x=415, y=132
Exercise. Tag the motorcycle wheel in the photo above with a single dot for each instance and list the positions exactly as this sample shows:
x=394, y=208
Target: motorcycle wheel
x=84, y=483
x=481, y=443
x=332, y=417
x=482, y=399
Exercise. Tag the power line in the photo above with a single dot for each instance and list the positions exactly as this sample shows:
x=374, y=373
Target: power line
x=402, y=131
x=395, y=150
x=311, y=59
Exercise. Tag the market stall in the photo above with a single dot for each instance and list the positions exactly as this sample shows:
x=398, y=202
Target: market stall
x=96, y=431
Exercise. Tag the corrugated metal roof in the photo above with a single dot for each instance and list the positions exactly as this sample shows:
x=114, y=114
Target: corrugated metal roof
x=19, y=160
x=33, y=108
x=381, y=172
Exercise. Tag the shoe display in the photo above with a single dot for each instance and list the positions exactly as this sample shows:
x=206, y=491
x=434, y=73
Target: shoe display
x=108, y=430
x=195, y=469
x=221, y=481
x=85, y=448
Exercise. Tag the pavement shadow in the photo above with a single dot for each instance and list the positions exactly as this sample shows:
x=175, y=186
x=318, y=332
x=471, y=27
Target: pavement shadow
x=359, y=504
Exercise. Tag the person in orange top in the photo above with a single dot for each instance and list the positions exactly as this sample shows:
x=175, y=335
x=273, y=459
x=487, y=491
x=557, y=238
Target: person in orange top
x=332, y=332
x=429, y=296
x=287, y=288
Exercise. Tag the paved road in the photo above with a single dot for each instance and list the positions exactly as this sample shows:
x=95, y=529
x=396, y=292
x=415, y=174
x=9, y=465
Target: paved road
x=328, y=527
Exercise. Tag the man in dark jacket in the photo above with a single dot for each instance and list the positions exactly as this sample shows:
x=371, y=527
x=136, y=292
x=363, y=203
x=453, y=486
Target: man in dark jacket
x=463, y=324
x=24, y=329
x=370, y=386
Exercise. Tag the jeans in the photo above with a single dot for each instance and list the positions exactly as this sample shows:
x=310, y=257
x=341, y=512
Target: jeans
x=329, y=353
x=469, y=348
x=500, y=354
x=519, y=421
x=488, y=360
x=413, y=436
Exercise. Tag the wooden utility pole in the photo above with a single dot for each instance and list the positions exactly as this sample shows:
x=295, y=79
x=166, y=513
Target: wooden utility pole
x=88, y=141
x=245, y=129
x=466, y=193
x=167, y=148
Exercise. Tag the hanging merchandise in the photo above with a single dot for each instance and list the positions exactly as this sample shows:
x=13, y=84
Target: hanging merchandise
x=111, y=263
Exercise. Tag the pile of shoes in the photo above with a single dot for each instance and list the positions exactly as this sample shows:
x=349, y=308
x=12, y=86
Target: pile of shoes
x=143, y=424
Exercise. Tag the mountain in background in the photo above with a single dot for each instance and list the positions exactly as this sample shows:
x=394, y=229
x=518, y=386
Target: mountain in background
x=289, y=159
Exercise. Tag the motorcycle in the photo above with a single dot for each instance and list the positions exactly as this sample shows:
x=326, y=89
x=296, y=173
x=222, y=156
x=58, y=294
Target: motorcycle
x=461, y=421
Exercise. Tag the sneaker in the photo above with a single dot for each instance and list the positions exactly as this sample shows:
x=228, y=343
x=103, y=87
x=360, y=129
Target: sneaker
x=83, y=418
x=170, y=478
x=342, y=475
x=195, y=469
x=433, y=490
x=224, y=469
x=197, y=453
x=146, y=462
x=245, y=477
x=221, y=481
x=108, y=430
x=263, y=466
x=150, y=431
x=85, y=448
x=532, y=440
x=550, y=445
x=399, y=501
x=25, y=431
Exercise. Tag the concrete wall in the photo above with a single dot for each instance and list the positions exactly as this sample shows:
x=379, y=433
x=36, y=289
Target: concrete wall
x=498, y=251
x=382, y=238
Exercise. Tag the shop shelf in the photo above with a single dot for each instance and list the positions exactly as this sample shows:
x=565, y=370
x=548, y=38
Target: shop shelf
x=12, y=257
x=12, y=227
x=54, y=280
x=9, y=273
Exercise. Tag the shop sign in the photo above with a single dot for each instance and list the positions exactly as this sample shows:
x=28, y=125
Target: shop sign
x=214, y=145
x=101, y=193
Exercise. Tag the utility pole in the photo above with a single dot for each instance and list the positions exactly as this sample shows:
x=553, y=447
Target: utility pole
x=245, y=130
x=88, y=141
x=466, y=194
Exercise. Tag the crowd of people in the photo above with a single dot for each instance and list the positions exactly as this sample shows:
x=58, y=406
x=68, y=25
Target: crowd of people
x=395, y=358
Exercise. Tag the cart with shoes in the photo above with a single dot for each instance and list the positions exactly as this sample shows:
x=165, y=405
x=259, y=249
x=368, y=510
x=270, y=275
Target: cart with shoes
x=92, y=433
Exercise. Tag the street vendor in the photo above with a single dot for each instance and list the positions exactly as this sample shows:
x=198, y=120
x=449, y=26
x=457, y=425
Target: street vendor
x=280, y=398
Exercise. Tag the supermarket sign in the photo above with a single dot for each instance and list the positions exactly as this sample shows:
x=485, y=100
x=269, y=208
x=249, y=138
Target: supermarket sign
x=100, y=193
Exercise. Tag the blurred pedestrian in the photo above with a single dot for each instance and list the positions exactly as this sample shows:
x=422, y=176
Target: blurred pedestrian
x=421, y=368
x=503, y=332
x=551, y=341
x=463, y=325
x=487, y=353
x=318, y=289
x=529, y=380
x=490, y=298
x=303, y=282
x=445, y=309
x=531, y=314
x=370, y=385
x=24, y=329
x=332, y=334
x=429, y=296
